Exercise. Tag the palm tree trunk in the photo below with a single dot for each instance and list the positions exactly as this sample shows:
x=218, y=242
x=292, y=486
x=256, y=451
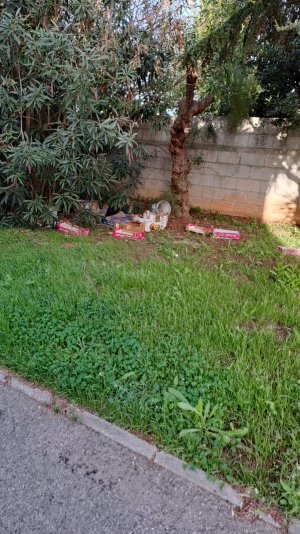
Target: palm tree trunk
x=181, y=162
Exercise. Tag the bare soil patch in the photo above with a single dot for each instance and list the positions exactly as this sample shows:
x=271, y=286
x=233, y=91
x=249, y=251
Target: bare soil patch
x=280, y=331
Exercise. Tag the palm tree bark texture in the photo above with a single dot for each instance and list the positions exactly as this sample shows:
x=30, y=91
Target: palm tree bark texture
x=188, y=108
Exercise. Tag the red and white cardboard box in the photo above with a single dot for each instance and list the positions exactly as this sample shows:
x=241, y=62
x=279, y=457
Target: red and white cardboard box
x=66, y=228
x=129, y=230
x=226, y=234
x=127, y=234
x=288, y=250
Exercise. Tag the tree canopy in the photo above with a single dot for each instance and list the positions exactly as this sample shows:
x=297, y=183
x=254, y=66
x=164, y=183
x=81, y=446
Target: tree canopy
x=277, y=69
x=265, y=66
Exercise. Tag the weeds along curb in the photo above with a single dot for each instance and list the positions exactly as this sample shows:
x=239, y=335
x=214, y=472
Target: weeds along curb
x=139, y=446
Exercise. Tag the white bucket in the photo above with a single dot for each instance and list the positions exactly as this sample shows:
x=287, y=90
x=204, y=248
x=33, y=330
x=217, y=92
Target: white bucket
x=162, y=208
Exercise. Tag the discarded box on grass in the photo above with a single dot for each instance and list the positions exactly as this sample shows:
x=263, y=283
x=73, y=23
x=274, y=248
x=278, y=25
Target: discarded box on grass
x=226, y=234
x=199, y=229
x=216, y=232
x=120, y=216
x=288, y=250
x=129, y=230
x=127, y=234
x=66, y=228
x=152, y=221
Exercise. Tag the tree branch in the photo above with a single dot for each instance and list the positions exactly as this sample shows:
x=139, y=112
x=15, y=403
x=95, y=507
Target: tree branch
x=200, y=105
x=191, y=79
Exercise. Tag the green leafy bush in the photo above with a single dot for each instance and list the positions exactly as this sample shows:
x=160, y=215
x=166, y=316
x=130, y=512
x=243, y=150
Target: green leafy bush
x=65, y=131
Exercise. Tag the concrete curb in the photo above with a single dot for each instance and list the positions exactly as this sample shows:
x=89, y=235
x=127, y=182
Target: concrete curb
x=118, y=434
x=139, y=446
x=3, y=376
x=294, y=527
x=39, y=395
x=199, y=477
x=35, y=393
x=268, y=519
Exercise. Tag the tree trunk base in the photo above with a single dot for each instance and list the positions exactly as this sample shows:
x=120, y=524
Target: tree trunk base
x=181, y=191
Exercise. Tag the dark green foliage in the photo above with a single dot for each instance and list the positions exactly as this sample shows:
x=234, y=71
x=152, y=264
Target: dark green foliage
x=278, y=72
x=84, y=353
x=250, y=61
x=86, y=218
x=242, y=91
x=65, y=129
x=218, y=45
x=56, y=129
x=237, y=89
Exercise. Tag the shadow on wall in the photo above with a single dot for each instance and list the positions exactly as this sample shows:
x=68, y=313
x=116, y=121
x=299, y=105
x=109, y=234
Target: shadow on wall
x=282, y=201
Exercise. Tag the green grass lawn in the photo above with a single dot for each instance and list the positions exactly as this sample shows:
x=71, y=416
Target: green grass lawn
x=114, y=324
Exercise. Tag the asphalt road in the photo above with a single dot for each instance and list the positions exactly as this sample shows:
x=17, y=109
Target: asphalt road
x=59, y=477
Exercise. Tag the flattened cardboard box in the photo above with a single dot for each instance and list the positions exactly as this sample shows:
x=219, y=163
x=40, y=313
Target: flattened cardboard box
x=120, y=216
x=131, y=226
x=129, y=230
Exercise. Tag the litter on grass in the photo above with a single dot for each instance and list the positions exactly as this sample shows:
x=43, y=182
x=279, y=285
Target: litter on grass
x=199, y=229
x=129, y=230
x=66, y=228
x=152, y=221
x=161, y=208
x=287, y=250
x=226, y=234
x=118, y=217
x=219, y=233
x=157, y=218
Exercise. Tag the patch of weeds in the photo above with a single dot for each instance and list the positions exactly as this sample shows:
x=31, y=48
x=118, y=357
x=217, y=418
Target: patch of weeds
x=169, y=252
x=287, y=276
x=195, y=211
x=245, y=249
x=74, y=415
x=160, y=238
x=207, y=420
x=197, y=158
x=220, y=218
x=252, y=225
x=290, y=493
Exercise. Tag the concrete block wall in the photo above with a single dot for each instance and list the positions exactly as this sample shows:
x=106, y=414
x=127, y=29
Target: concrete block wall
x=252, y=172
